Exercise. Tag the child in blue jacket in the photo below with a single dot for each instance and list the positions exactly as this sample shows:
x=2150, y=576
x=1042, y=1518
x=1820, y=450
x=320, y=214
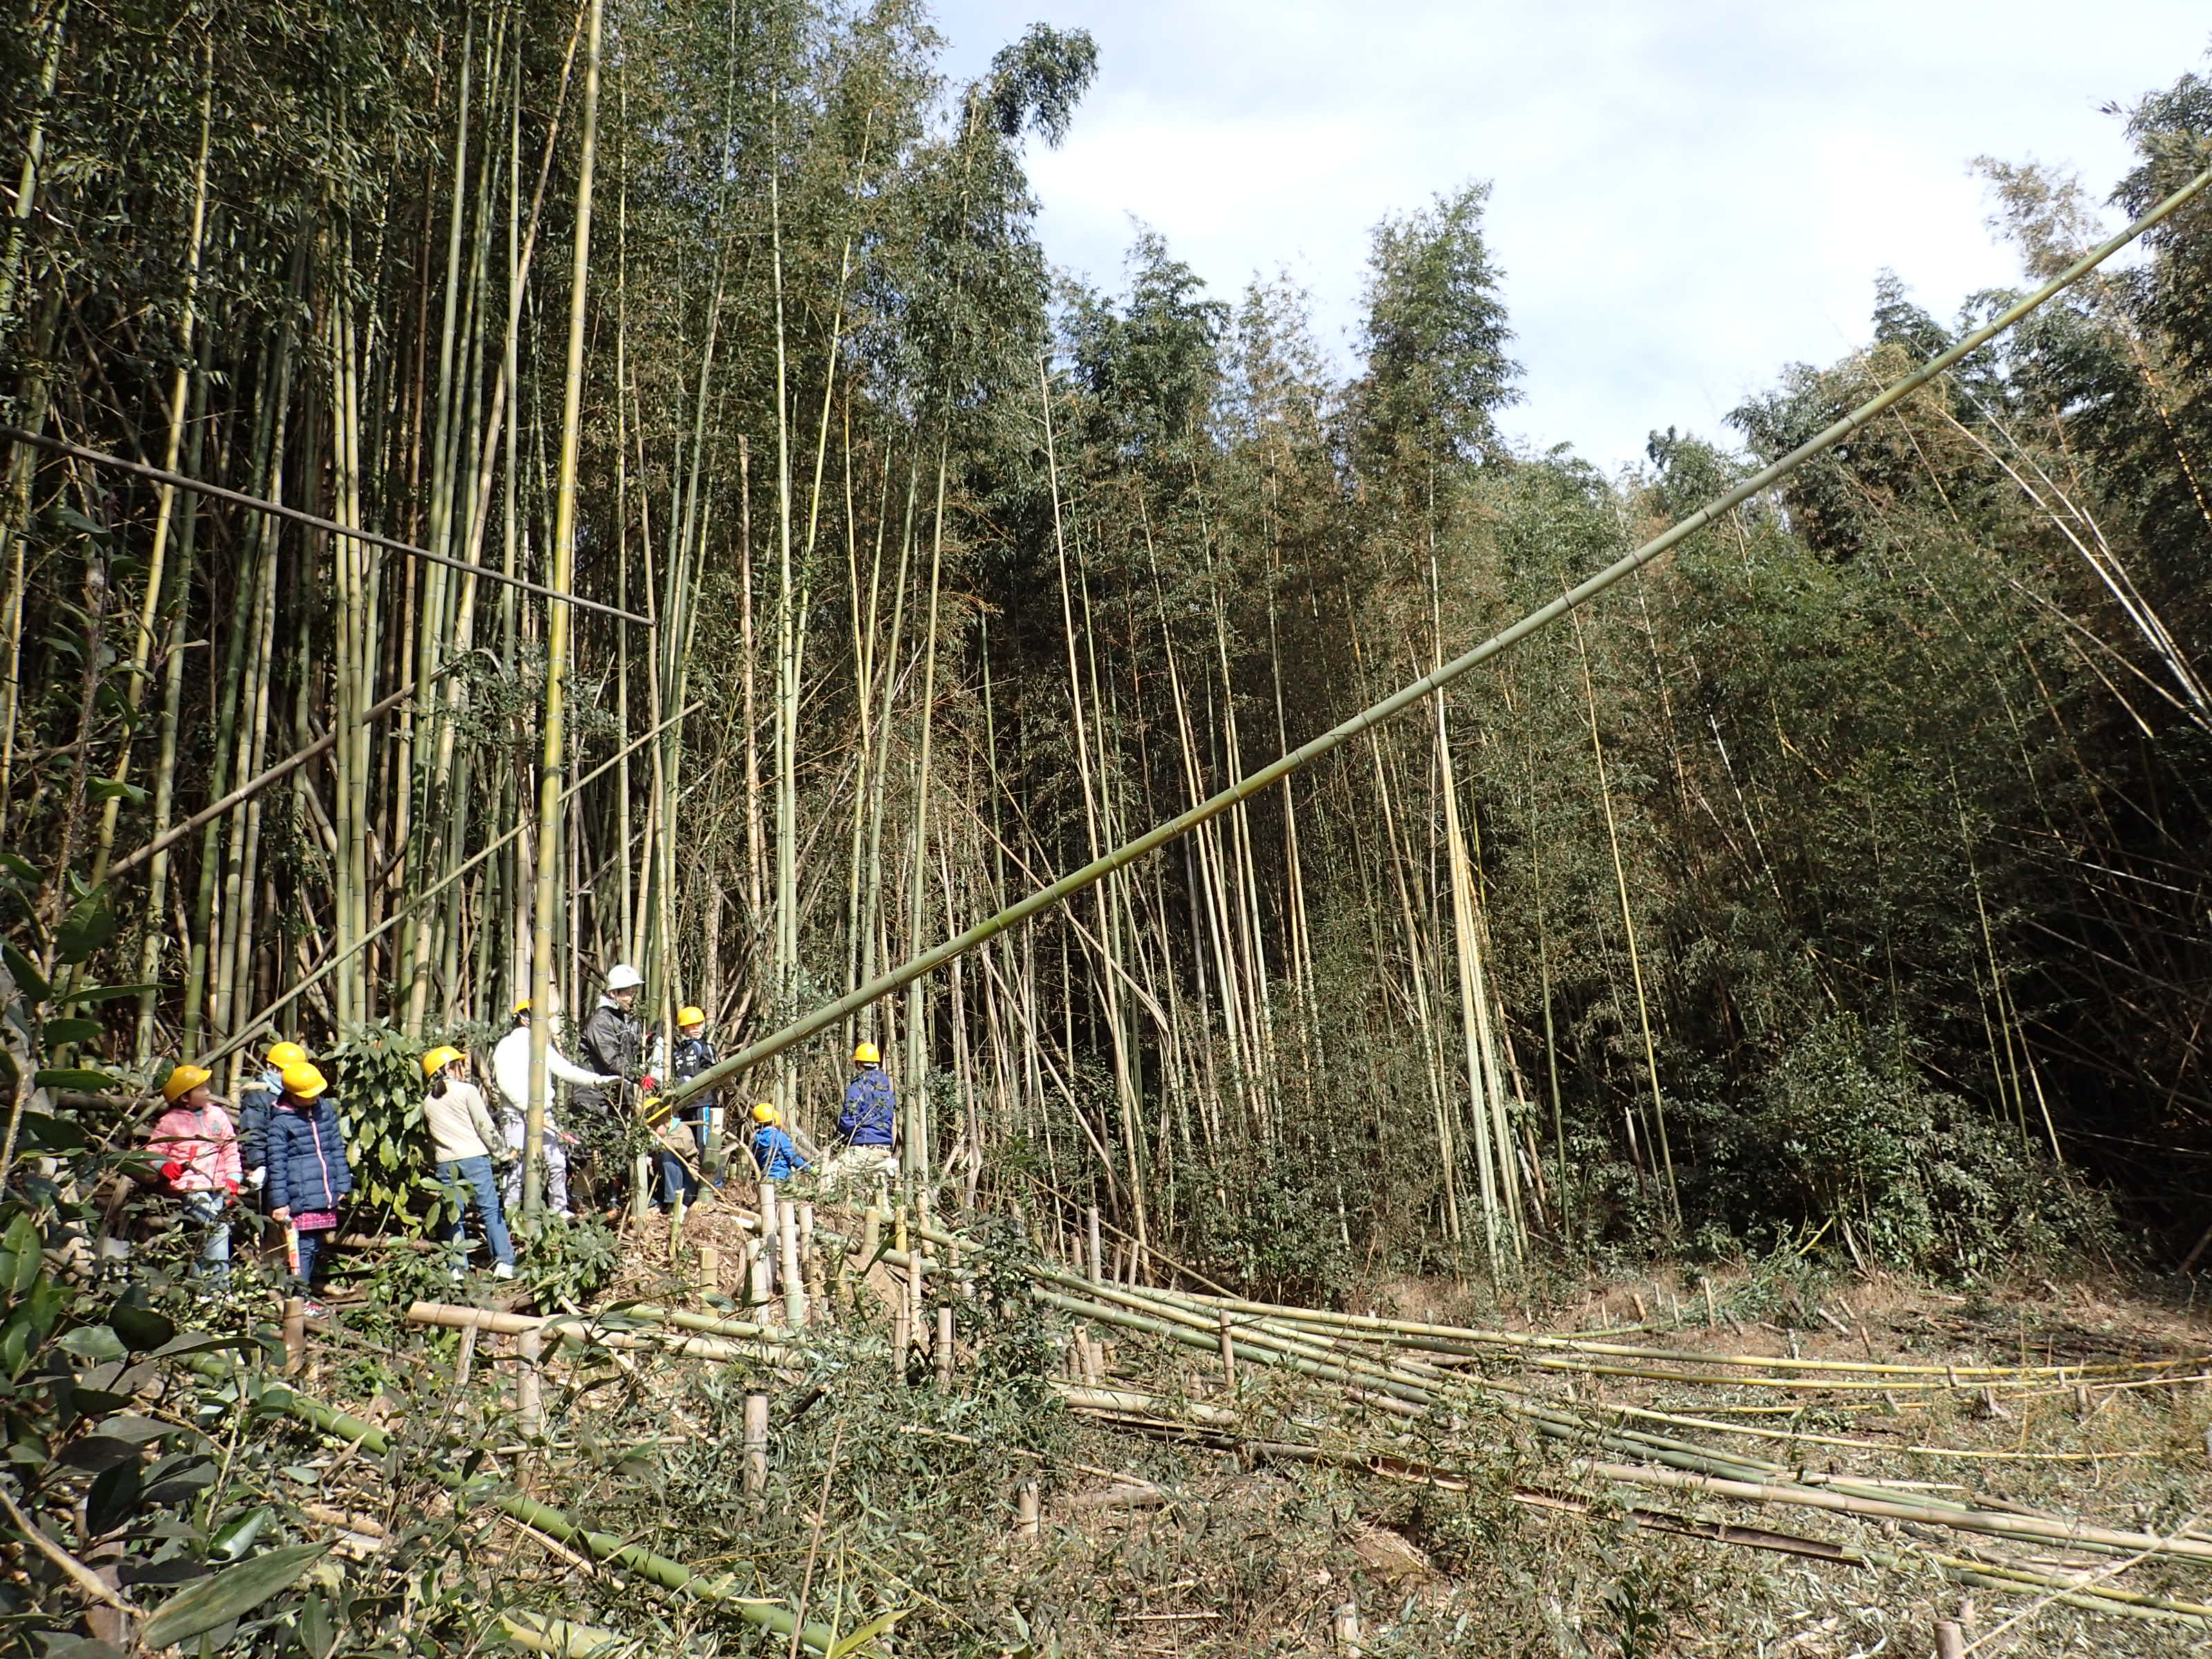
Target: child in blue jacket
x=306, y=1161
x=774, y=1150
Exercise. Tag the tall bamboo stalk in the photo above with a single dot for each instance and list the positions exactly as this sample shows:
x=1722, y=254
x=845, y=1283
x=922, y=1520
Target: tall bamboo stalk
x=545, y=913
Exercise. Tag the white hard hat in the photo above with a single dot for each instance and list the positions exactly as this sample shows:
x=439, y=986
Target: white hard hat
x=623, y=978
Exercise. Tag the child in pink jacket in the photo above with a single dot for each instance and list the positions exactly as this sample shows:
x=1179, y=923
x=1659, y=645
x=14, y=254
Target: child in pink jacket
x=198, y=1146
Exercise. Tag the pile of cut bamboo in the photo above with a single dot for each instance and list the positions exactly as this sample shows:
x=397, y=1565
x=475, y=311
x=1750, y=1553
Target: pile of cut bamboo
x=1394, y=1374
x=1397, y=1372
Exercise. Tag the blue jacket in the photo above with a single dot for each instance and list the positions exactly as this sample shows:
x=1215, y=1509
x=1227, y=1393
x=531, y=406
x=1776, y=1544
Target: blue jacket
x=867, y=1117
x=255, y=1100
x=307, y=1167
x=778, y=1157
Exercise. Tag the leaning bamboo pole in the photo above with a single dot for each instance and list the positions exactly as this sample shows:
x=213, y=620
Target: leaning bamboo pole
x=833, y=1014
x=554, y=596
x=248, y=1029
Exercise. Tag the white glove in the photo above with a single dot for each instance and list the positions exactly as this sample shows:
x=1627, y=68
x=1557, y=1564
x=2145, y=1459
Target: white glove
x=257, y=1179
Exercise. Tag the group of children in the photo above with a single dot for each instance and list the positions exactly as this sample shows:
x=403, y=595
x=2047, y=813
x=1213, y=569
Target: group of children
x=285, y=1151
x=286, y=1146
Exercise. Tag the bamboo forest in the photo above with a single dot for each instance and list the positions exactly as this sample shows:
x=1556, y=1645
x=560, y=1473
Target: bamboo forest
x=736, y=921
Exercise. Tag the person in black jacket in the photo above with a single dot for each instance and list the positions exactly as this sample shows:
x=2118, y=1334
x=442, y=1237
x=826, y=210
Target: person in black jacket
x=613, y=1040
x=307, y=1162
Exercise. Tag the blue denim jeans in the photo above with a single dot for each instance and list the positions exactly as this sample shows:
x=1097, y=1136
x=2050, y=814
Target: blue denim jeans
x=475, y=1176
x=207, y=1210
x=311, y=1246
x=674, y=1177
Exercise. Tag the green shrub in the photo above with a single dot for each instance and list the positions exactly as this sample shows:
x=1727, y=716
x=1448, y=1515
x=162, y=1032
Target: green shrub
x=1840, y=1138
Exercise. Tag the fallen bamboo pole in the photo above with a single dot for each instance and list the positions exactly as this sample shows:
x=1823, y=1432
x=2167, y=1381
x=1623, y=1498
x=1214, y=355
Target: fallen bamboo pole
x=1408, y=1397
x=1470, y=1338
x=835, y=1013
x=1136, y=1409
x=571, y=1329
x=2079, y=1535
x=558, y=1638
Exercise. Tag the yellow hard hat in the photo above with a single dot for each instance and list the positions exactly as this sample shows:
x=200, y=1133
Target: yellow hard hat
x=764, y=1112
x=282, y=1054
x=866, y=1055
x=182, y=1080
x=523, y=1006
x=688, y=1017
x=304, y=1081
x=438, y=1059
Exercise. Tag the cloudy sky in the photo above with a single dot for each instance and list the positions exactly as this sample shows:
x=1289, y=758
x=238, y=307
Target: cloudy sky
x=1689, y=195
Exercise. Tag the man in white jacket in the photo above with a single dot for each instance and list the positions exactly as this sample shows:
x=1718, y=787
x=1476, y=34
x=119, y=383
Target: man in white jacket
x=510, y=1075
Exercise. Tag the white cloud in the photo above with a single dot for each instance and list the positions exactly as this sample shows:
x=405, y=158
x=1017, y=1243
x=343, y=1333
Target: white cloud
x=1688, y=195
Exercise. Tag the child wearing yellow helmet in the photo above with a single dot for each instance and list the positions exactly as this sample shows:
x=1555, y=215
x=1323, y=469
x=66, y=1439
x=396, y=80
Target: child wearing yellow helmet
x=773, y=1151
x=462, y=1136
x=309, y=1173
x=689, y=1055
x=198, y=1146
x=255, y=1096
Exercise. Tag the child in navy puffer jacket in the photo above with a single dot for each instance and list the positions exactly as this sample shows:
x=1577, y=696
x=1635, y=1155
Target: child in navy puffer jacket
x=307, y=1169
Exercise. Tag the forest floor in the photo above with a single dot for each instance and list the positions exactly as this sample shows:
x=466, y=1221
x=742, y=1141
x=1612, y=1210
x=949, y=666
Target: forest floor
x=1187, y=1516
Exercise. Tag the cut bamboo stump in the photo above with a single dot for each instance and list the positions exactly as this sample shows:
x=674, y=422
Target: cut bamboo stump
x=467, y=1362
x=295, y=1334
x=710, y=1270
x=1228, y=1354
x=756, y=1273
x=902, y=1338
x=755, y=1445
x=944, y=1350
x=917, y=1288
x=1028, y=1514
x=1345, y=1626
x=528, y=1399
x=794, y=1286
x=810, y=1281
x=771, y=1228
x=1950, y=1639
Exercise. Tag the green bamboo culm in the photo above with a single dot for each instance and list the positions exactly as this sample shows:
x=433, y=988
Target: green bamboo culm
x=547, y=907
